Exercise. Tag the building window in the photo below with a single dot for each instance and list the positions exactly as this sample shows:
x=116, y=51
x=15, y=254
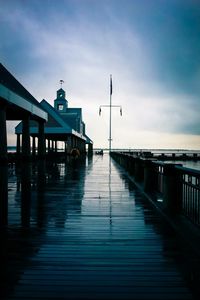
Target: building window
x=60, y=106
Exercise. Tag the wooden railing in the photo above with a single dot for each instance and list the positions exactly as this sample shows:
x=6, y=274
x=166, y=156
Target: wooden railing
x=178, y=187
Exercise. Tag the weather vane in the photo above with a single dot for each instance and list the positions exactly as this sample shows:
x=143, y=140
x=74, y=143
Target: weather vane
x=61, y=83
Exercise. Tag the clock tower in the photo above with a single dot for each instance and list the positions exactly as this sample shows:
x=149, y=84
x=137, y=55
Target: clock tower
x=60, y=103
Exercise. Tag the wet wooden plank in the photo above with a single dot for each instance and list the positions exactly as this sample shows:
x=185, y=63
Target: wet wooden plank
x=89, y=234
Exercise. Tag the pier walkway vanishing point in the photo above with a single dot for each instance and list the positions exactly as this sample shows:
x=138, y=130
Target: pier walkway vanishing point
x=86, y=232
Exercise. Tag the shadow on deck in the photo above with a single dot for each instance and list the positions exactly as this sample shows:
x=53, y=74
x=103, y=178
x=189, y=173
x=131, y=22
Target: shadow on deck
x=84, y=231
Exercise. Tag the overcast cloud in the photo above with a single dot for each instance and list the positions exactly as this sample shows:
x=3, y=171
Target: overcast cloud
x=152, y=48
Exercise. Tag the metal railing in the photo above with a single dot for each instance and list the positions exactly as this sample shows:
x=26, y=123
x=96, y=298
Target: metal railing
x=190, y=193
x=159, y=173
x=178, y=186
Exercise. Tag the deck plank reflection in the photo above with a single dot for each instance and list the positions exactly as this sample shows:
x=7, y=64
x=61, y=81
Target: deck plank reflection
x=88, y=233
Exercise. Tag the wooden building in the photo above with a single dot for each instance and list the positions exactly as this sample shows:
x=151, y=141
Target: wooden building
x=64, y=125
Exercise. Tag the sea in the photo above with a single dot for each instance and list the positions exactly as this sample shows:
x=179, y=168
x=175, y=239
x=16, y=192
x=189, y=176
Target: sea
x=192, y=164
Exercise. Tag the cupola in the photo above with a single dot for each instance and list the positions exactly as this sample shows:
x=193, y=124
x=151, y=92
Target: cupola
x=60, y=103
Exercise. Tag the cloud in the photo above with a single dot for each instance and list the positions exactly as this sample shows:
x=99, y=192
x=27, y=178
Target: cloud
x=151, y=48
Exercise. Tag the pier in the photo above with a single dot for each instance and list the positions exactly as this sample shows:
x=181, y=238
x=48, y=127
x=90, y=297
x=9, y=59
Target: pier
x=84, y=230
x=99, y=150
x=77, y=226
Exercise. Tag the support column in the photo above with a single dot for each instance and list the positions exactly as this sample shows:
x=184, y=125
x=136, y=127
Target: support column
x=26, y=138
x=84, y=147
x=18, y=144
x=33, y=147
x=55, y=146
x=49, y=145
x=65, y=147
x=80, y=146
x=72, y=142
x=90, y=149
x=69, y=143
x=3, y=134
x=41, y=140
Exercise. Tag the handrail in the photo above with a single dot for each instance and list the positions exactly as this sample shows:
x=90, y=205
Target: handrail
x=189, y=171
x=177, y=186
x=159, y=163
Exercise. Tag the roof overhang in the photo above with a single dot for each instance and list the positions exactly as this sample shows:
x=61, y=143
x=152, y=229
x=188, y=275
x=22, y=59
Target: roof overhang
x=54, y=131
x=19, y=102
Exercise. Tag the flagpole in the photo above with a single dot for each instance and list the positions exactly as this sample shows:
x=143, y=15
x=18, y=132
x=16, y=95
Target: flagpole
x=110, y=106
x=110, y=123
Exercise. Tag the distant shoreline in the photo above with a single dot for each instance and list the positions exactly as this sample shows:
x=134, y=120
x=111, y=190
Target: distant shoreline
x=13, y=149
x=188, y=164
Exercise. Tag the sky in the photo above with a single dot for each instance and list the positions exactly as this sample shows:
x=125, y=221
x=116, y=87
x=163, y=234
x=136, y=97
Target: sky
x=151, y=48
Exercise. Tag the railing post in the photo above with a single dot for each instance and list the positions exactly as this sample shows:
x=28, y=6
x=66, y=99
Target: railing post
x=41, y=140
x=18, y=148
x=122, y=160
x=131, y=165
x=150, y=176
x=172, y=189
x=26, y=149
x=139, y=169
x=126, y=157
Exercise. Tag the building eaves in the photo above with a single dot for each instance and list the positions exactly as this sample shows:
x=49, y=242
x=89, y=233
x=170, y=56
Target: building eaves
x=11, y=83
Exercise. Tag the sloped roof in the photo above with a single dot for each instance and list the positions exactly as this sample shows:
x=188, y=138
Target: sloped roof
x=54, y=114
x=74, y=110
x=56, y=124
x=61, y=90
x=62, y=118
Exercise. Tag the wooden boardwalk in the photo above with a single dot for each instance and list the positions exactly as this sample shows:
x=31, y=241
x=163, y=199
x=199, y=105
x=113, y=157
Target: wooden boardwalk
x=88, y=233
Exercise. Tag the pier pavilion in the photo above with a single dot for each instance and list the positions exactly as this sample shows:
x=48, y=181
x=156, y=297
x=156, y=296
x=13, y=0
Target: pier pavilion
x=16, y=103
x=64, y=125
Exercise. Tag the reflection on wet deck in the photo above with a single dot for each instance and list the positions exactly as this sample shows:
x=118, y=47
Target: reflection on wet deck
x=84, y=231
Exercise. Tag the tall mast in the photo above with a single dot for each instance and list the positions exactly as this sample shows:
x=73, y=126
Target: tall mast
x=110, y=121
